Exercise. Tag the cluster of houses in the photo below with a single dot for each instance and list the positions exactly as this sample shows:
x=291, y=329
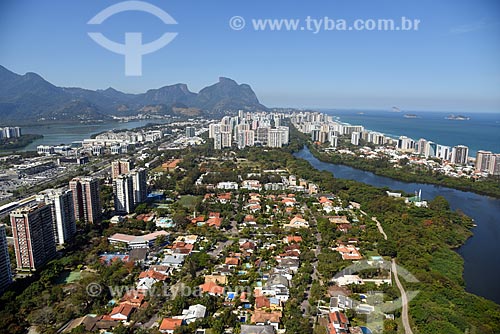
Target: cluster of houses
x=260, y=303
x=285, y=182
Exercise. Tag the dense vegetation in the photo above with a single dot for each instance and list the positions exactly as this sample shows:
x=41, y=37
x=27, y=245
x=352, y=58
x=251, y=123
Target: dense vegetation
x=422, y=239
x=19, y=142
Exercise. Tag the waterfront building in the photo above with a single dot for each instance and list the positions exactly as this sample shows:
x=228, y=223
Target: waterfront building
x=460, y=155
x=421, y=146
x=334, y=140
x=495, y=165
x=349, y=129
x=355, y=136
x=483, y=160
x=277, y=137
x=45, y=149
x=430, y=149
x=97, y=150
x=10, y=132
x=443, y=152
x=315, y=135
x=406, y=144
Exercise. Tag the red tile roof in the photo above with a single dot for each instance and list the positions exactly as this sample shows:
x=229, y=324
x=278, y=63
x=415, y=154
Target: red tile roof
x=217, y=222
x=225, y=196
x=169, y=324
x=211, y=287
x=198, y=219
x=294, y=239
x=123, y=309
x=153, y=274
x=133, y=297
x=262, y=302
x=264, y=317
x=214, y=215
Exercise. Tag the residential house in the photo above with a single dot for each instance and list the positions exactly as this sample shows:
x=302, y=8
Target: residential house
x=212, y=289
x=153, y=274
x=122, y=312
x=338, y=323
x=145, y=284
x=255, y=329
x=134, y=298
x=193, y=313
x=291, y=239
x=277, y=286
x=218, y=279
x=168, y=325
x=263, y=318
x=224, y=198
x=297, y=222
x=182, y=247
x=289, y=264
x=349, y=252
x=232, y=262
x=174, y=262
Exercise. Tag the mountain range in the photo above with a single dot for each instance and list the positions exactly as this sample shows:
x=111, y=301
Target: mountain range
x=30, y=98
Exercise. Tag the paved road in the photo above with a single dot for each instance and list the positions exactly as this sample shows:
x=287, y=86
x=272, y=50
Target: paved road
x=404, y=299
x=381, y=230
x=220, y=247
x=151, y=322
x=315, y=275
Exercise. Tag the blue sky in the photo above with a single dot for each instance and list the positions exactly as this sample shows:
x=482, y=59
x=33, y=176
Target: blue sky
x=451, y=63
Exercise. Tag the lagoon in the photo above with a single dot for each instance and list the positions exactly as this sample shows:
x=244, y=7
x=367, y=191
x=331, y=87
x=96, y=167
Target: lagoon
x=481, y=253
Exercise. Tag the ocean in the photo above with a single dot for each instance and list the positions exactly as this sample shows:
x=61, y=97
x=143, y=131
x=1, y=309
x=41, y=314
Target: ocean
x=481, y=132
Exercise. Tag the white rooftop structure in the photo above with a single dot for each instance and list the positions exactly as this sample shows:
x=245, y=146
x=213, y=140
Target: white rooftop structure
x=142, y=241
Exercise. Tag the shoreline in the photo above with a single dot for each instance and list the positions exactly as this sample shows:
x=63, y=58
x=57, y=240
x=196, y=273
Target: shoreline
x=457, y=248
x=21, y=142
x=366, y=167
x=380, y=121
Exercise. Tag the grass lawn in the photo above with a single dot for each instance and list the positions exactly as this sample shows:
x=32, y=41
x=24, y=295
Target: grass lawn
x=189, y=201
x=371, y=253
x=69, y=277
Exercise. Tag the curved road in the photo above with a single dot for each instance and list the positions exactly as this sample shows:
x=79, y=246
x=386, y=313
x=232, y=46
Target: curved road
x=381, y=230
x=404, y=299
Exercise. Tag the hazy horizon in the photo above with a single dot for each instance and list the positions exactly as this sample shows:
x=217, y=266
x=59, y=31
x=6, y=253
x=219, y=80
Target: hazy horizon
x=450, y=63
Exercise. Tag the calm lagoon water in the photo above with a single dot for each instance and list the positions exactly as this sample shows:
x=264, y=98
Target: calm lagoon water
x=55, y=134
x=481, y=253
